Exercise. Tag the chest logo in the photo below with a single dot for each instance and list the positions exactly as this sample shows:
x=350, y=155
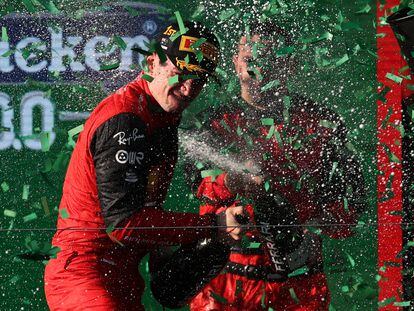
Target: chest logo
x=131, y=157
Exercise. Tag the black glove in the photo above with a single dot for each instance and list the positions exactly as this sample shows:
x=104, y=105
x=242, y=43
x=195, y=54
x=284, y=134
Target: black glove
x=187, y=271
x=278, y=227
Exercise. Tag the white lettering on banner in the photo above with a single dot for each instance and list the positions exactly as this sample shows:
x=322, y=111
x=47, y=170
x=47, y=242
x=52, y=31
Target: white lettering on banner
x=61, y=46
x=23, y=63
x=123, y=157
x=122, y=140
x=29, y=102
x=92, y=56
x=61, y=50
x=126, y=55
x=5, y=65
x=7, y=112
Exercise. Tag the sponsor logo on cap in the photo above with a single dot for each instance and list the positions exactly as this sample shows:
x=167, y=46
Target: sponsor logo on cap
x=170, y=31
x=209, y=50
x=183, y=65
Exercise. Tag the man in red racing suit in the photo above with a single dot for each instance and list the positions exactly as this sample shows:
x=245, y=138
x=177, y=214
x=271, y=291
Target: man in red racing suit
x=302, y=151
x=115, y=185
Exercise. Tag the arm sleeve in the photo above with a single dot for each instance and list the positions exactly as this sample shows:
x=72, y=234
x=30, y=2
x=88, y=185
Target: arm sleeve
x=121, y=157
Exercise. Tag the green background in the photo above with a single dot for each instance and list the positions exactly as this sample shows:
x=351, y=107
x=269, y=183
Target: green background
x=349, y=89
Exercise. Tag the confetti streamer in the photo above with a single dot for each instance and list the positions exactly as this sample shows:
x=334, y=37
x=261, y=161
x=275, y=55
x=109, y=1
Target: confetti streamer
x=5, y=186
x=9, y=213
x=394, y=78
x=111, y=66
x=147, y=77
x=25, y=194
x=218, y=298
x=293, y=295
x=64, y=213
x=30, y=217
x=4, y=36
x=173, y=80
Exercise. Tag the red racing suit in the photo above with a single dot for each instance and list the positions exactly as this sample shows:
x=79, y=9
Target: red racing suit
x=117, y=180
x=302, y=149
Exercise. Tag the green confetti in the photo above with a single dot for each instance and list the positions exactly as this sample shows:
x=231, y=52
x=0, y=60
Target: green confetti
x=45, y=141
x=226, y=14
x=213, y=173
x=402, y=303
x=110, y=66
x=64, y=213
x=343, y=60
x=346, y=207
x=267, y=185
x=263, y=298
x=120, y=42
x=254, y=245
x=131, y=11
x=9, y=213
x=293, y=295
x=180, y=22
x=25, y=194
x=173, y=80
x=4, y=36
x=268, y=121
x=199, y=56
x=198, y=43
x=345, y=289
x=110, y=228
x=29, y=6
x=328, y=124
x=270, y=85
x=218, y=298
x=30, y=217
x=199, y=165
x=325, y=36
x=158, y=49
x=45, y=205
x=350, y=259
x=147, y=77
x=8, y=53
x=386, y=302
x=394, y=78
x=187, y=59
x=71, y=133
x=298, y=271
x=334, y=167
x=366, y=9
x=49, y=5
x=271, y=132
x=175, y=36
x=278, y=138
x=5, y=186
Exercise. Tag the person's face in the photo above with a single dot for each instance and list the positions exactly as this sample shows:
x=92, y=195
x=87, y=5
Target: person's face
x=253, y=75
x=243, y=65
x=176, y=97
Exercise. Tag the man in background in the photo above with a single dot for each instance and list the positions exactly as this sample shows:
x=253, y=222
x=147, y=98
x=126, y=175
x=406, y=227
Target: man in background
x=302, y=175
